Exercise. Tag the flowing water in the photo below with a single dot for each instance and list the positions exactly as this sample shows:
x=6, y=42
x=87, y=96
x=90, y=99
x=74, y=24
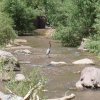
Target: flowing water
x=60, y=77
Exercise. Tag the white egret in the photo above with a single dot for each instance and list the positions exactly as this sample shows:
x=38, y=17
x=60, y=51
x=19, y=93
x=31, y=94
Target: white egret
x=49, y=49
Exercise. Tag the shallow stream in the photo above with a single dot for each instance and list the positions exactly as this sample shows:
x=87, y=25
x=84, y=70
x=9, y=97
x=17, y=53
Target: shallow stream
x=62, y=77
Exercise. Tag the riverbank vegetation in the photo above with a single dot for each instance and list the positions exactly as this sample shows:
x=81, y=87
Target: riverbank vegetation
x=32, y=81
x=73, y=20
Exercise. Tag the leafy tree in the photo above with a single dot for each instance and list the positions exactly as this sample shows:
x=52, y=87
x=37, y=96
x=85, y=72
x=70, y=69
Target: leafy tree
x=80, y=17
x=21, y=14
x=94, y=44
x=97, y=19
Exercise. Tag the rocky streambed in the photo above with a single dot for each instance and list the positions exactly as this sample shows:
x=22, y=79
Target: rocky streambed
x=61, y=78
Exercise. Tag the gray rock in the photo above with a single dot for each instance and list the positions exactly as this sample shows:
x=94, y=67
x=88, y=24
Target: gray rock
x=19, y=77
x=90, y=78
x=83, y=61
x=9, y=61
x=58, y=63
x=9, y=97
x=25, y=51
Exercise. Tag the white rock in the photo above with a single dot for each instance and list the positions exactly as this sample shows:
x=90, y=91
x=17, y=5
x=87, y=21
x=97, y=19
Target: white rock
x=90, y=77
x=57, y=63
x=25, y=51
x=9, y=97
x=19, y=77
x=84, y=61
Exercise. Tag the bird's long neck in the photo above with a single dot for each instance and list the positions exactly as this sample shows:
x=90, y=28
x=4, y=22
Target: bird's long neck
x=49, y=45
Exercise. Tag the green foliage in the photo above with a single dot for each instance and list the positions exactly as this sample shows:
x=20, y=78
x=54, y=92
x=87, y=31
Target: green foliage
x=80, y=17
x=21, y=14
x=67, y=38
x=6, y=31
x=73, y=19
x=97, y=19
x=55, y=12
x=94, y=44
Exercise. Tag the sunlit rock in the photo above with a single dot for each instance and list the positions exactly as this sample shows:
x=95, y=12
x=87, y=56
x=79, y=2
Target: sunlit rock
x=90, y=78
x=25, y=51
x=19, y=77
x=83, y=61
x=58, y=63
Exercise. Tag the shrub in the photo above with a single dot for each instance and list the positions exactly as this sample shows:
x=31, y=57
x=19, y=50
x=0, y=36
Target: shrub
x=6, y=29
x=66, y=36
x=94, y=45
x=80, y=16
x=21, y=14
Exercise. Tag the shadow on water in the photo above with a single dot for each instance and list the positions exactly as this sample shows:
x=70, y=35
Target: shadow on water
x=60, y=77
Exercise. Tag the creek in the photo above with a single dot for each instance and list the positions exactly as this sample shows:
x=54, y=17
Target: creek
x=59, y=77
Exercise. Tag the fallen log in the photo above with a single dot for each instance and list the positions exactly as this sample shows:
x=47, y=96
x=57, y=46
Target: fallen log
x=65, y=97
x=33, y=93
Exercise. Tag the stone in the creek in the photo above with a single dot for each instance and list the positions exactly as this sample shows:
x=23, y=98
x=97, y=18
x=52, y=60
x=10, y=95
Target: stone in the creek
x=25, y=51
x=58, y=63
x=19, y=77
x=84, y=61
x=90, y=78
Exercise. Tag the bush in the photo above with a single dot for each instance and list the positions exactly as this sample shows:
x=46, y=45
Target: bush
x=80, y=16
x=6, y=29
x=21, y=14
x=94, y=44
x=66, y=36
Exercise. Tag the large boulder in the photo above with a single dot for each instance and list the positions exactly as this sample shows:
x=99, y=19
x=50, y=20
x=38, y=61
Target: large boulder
x=9, y=61
x=90, y=78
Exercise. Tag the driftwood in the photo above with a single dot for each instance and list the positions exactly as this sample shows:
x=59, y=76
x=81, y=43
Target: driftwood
x=33, y=93
x=65, y=97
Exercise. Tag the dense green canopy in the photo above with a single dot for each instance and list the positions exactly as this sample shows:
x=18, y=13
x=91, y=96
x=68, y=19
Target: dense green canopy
x=72, y=19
